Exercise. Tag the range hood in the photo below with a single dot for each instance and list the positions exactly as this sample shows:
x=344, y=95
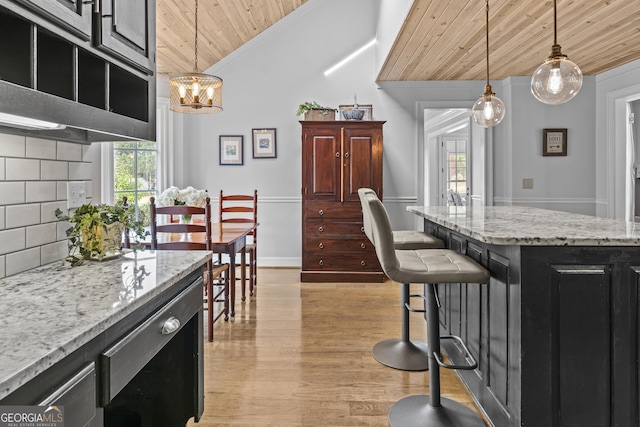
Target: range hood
x=27, y=112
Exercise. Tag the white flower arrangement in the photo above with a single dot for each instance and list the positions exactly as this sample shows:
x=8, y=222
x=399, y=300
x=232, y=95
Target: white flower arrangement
x=188, y=196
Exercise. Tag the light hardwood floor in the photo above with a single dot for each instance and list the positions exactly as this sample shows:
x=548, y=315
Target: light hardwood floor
x=299, y=354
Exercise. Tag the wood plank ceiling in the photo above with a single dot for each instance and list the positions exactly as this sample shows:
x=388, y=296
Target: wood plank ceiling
x=439, y=40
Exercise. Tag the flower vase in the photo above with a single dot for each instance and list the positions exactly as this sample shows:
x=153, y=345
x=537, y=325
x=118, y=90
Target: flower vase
x=186, y=219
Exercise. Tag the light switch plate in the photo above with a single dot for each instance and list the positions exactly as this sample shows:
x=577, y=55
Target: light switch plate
x=527, y=183
x=76, y=194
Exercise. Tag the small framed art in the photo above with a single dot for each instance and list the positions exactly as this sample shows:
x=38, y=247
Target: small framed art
x=554, y=142
x=231, y=150
x=264, y=143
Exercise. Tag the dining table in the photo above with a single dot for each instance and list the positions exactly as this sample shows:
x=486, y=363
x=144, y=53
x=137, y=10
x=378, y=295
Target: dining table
x=226, y=238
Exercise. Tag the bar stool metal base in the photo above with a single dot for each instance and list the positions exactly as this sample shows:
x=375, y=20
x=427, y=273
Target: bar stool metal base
x=404, y=355
x=416, y=411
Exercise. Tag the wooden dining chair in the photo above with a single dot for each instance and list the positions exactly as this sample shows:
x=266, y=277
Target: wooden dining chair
x=166, y=235
x=240, y=208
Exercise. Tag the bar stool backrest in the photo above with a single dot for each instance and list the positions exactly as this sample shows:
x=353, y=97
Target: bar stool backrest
x=382, y=235
x=366, y=215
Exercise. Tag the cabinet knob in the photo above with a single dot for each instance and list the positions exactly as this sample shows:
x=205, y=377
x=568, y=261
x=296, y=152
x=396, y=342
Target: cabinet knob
x=338, y=154
x=362, y=245
x=320, y=212
x=170, y=326
x=321, y=262
x=362, y=263
x=362, y=228
x=321, y=229
x=346, y=155
x=321, y=245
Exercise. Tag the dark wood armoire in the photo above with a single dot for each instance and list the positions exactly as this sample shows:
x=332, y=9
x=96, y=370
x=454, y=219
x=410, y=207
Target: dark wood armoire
x=338, y=157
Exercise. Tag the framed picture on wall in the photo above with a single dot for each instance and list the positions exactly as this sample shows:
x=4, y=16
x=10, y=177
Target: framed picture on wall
x=231, y=150
x=264, y=143
x=554, y=142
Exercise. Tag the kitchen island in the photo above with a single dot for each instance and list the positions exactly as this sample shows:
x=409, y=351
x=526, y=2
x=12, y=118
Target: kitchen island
x=110, y=341
x=556, y=330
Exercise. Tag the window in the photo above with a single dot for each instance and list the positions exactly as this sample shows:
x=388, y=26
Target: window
x=135, y=174
x=454, y=170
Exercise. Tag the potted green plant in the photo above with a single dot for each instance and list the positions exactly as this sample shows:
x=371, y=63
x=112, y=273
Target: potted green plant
x=96, y=231
x=314, y=111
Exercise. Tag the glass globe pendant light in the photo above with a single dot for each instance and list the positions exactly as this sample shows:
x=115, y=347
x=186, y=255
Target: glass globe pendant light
x=488, y=110
x=557, y=80
x=195, y=93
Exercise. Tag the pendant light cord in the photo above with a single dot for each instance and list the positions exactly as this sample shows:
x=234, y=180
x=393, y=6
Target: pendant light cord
x=487, y=21
x=555, y=25
x=195, y=63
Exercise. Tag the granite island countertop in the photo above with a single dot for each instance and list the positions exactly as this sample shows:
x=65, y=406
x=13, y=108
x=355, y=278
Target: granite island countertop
x=527, y=226
x=48, y=312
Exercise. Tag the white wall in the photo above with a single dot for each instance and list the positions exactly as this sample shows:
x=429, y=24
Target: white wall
x=264, y=81
x=560, y=183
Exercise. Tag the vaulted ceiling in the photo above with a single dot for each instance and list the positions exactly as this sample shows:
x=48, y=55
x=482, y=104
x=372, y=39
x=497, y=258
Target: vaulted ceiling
x=439, y=40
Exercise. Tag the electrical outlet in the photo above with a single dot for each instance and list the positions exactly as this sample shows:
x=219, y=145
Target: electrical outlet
x=76, y=194
x=527, y=183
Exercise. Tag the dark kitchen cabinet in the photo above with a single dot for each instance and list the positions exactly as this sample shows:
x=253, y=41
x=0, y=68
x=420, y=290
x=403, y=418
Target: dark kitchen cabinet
x=74, y=16
x=123, y=31
x=149, y=365
x=98, y=81
x=338, y=158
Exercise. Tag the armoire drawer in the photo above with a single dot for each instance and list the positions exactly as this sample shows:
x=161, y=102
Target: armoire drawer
x=322, y=228
x=328, y=246
x=350, y=211
x=341, y=262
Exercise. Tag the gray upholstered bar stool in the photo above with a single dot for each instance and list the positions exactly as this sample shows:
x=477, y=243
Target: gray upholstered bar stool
x=401, y=353
x=431, y=267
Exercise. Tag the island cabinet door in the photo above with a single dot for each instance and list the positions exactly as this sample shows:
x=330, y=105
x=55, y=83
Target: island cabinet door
x=580, y=336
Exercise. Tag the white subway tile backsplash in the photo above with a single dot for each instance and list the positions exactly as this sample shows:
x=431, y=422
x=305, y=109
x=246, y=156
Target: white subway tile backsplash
x=33, y=183
x=80, y=171
x=12, y=240
x=61, y=190
x=22, y=169
x=61, y=229
x=48, y=213
x=42, y=234
x=54, y=170
x=21, y=215
x=12, y=145
x=21, y=261
x=41, y=148
x=69, y=151
x=87, y=149
x=41, y=191
x=53, y=252
x=12, y=192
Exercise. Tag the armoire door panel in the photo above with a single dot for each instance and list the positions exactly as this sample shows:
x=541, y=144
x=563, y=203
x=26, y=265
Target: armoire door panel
x=325, y=167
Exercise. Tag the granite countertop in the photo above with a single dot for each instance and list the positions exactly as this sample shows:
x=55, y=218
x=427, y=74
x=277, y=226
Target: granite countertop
x=526, y=226
x=48, y=312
